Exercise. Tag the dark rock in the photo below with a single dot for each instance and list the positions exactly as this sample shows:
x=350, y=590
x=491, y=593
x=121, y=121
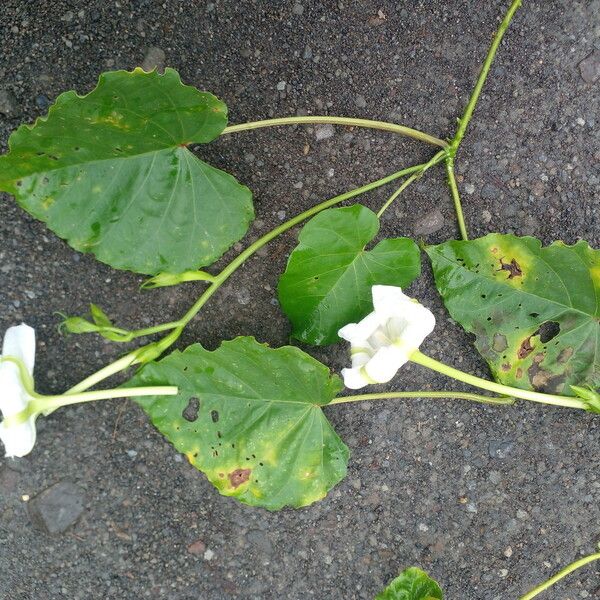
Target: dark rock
x=57, y=508
x=430, y=223
x=8, y=104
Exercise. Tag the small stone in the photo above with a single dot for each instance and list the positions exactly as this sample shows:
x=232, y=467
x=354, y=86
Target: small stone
x=298, y=9
x=589, y=67
x=360, y=101
x=155, y=59
x=308, y=53
x=42, y=102
x=433, y=221
x=500, y=448
x=423, y=527
x=522, y=515
x=208, y=554
x=508, y=552
x=281, y=86
x=281, y=215
x=197, y=548
x=580, y=121
x=131, y=453
x=503, y=572
x=469, y=188
x=57, y=508
x=490, y=192
x=324, y=132
x=486, y=215
x=8, y=104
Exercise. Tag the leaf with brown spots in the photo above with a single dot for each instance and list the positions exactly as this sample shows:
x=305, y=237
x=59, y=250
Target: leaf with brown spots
x=259, y=432
x=535, y=311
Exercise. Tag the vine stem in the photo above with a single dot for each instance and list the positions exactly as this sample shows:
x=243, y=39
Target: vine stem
x=132, y=357
x=491, y=386
x=348, y=121
x=46, y=404
x=434, y=161
x=562, y=573
x=485, y=69
x=456, y=198
x=422, y=394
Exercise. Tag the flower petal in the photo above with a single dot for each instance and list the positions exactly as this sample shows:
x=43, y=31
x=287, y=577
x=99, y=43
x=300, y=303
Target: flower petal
x=355, y=379
x=19, y=439
x=389, y=300
x=13, y=397
x=19, y=341
x=386, y=362
x=358, y=332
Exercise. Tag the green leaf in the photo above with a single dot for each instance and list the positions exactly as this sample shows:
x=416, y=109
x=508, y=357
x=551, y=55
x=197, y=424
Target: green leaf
x=110, y=173
x=250, y=418
x=411, y=584
x=99, y=316
x=328, y=279
x=534, y=311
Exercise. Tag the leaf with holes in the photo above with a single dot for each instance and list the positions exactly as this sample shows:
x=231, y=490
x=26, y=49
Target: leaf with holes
x=535, y=311
x=111, y=174
x=250, y=418
x=328, y=279
x=412, y=584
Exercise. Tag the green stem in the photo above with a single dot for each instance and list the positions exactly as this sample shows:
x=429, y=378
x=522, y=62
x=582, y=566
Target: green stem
x=497, y=388
x=464, y=121
x=562, y=573
x=422, y=394
x=160, y=346
x=436, y=159
x=47, y=404
x=155, y=329
x=116, y=367
x=456, y=197
x=348, y=121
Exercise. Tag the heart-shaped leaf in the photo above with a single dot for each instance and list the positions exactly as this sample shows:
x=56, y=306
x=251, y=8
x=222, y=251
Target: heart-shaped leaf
x=535, y=311
x=250, y=418
x=110, y=173
x=329, y=275
x=412, y=584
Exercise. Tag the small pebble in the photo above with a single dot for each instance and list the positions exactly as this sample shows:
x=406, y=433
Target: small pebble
x=155, y=59
x=298, y=9
x=469, y=188
x=324, y=132
x=589, y=67
x=281, y=86
x=360, y=101
x=208, y=554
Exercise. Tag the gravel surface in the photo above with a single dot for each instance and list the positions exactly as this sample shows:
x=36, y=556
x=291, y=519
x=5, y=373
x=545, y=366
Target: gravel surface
x=489, y=500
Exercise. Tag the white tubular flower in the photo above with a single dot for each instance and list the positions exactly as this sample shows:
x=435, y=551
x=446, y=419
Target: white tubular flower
x=384, y=340
x=19, y=344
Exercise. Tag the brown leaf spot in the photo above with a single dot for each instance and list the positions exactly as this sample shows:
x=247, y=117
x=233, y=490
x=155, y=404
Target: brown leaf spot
x=499, y=343
x=565, y=355
x=506, y=366
x=513, y=268
x=239, y=476
x=190, y=412
x=543, y=380
x=519, y=373
x=525, y=349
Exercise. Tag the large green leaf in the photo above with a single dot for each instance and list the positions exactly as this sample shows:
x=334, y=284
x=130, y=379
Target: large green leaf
x=110, y=173
x=534, y=311
x=411, y=584
x=250, y=418
x=328, y=279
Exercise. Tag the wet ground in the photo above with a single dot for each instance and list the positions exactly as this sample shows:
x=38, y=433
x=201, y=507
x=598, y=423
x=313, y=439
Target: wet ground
x=489, y=500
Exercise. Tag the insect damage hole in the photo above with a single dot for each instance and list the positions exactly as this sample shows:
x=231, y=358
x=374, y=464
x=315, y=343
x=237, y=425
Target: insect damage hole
x=548, y=331
x=190, y=412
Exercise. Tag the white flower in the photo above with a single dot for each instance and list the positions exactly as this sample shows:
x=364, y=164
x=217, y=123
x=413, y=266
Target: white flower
x=19, y=343
x=384, y=340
